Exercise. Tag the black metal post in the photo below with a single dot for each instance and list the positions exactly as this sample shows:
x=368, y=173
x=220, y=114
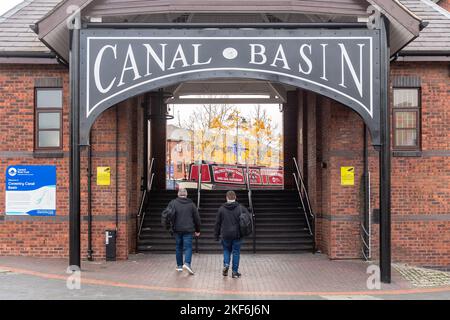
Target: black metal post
x=117, y=170
x=74, y=188
x=89, y=187
x=385, y=158
x=145, y=162
x=254, y=230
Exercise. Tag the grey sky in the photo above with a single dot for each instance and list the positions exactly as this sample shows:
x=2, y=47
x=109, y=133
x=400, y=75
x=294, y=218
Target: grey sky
x=5, y=5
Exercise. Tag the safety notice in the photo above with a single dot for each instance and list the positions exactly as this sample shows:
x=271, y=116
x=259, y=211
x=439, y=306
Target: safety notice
x=347, y=176
x=103, y=176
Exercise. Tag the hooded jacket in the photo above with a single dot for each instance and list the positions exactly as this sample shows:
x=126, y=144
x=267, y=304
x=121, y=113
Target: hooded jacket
x=187, y=218
x=227, y=221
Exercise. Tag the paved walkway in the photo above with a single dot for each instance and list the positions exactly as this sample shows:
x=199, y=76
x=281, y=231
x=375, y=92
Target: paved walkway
x=151, y=276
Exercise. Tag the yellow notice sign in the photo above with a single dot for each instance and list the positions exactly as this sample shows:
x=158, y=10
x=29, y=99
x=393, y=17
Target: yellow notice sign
x=103, y=176
x=347, y=176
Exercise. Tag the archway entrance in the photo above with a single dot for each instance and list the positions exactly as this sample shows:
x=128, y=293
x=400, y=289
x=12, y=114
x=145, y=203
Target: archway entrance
x=118, y=64
x=224, y=135
x=228, y=125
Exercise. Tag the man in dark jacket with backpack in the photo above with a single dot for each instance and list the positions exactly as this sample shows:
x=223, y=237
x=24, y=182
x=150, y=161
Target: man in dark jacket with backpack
x=227, y=227
x=186, y=222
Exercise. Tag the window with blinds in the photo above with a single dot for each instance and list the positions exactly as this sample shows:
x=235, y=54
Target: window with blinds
x=406, y=118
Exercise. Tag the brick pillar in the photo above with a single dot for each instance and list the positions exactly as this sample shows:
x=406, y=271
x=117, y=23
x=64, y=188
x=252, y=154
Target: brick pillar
x=302, y=123
x=290, y=137
x=311, y=152
x=341, y=206
x=158, y=137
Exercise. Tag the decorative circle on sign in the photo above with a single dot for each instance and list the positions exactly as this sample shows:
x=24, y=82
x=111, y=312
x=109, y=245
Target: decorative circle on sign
x=230, y=53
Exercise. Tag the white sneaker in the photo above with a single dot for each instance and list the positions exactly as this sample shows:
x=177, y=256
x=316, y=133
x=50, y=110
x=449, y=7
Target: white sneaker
x=189, y=269
x=180, y=269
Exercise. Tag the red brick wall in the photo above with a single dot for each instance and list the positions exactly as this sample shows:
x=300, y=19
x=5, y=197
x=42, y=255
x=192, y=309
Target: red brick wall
x=48, y=236
x=420, y=185
x=342, y=145
x=22, y=235
x=445, y=4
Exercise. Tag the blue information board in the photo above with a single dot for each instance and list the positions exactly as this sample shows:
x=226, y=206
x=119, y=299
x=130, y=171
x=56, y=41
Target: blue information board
x=31, y=190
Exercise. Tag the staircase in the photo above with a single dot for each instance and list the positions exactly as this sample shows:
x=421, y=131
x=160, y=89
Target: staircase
x=279, y=224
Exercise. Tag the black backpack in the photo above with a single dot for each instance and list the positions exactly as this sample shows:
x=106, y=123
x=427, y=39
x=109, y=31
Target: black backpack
x=168, y=218
x=245, y=223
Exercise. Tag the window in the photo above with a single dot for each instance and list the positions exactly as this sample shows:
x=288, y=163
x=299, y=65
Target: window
x=48, y=103
x=406, y=118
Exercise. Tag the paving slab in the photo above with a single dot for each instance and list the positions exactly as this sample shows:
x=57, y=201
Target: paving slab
x=153, y=276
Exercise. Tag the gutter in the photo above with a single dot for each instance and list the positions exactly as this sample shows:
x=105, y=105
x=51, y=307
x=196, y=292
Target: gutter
x=422, y=55
x=32, y=57
x=27, y=54
x=425, y=53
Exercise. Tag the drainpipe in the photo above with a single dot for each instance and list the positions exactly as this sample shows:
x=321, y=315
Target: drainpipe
x=89, y=190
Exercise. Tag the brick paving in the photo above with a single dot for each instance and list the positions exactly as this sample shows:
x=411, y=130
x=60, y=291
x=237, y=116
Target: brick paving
x=262, y=275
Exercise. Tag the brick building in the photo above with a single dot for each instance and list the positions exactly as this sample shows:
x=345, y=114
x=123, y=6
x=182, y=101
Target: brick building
x=323, y=134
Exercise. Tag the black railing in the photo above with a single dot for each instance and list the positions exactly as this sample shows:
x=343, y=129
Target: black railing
x=250, y=205
x=304, y=199
x=199, y=185
x=199, y=190
x=146, y=189
x=366, y=232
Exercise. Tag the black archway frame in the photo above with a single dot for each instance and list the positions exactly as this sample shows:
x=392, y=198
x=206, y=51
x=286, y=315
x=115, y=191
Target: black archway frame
x=379, y=128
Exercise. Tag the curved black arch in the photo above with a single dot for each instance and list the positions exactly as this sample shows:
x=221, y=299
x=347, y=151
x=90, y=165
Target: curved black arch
x=87, y=122
x=380, y=131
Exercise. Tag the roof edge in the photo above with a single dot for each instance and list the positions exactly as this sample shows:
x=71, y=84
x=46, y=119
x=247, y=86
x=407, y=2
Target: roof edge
x=396, y=10
x=437, y=7
x=14, y=10
x=61, y=11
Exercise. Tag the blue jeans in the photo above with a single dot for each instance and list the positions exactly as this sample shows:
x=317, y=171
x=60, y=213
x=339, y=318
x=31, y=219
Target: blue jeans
x=184, y=243
x=231, y=247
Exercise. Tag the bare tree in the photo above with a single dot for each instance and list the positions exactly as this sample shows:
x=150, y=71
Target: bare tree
x=263, y=130
x=209, y=124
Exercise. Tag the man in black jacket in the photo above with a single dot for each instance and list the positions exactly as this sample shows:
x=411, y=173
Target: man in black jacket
x=186, y=222
x=227, y=227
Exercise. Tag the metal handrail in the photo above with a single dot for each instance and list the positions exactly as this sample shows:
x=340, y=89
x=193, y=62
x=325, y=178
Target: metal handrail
x=250, y=204
x=149, y=173
x=249, y=189
x=308, y=203
x=199, y=190
x=303, y=193
x=148, y=187
x=141, y=211
x=199, y=184
x=367, y=256
x=303, y=203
